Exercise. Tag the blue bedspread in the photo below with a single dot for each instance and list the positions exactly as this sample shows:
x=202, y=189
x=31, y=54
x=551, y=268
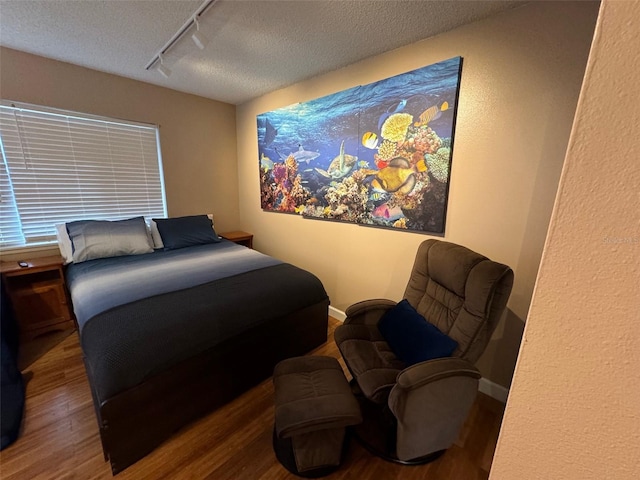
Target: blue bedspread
x=140, y=315
x=98, y=285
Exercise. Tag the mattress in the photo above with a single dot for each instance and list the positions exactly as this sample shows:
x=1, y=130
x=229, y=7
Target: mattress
x=140, y=315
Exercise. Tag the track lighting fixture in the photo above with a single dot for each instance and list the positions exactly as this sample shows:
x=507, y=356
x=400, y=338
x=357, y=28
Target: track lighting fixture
x=162, y=68
x=198, y=37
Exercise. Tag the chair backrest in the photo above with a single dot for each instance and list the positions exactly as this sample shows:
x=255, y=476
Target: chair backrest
x=461, y=292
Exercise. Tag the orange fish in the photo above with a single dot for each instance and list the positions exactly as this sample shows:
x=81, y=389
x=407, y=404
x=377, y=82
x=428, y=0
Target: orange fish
x=430, y=114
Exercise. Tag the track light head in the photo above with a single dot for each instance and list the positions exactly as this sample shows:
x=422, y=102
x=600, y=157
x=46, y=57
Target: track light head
x=162, y=68
x=198, y=37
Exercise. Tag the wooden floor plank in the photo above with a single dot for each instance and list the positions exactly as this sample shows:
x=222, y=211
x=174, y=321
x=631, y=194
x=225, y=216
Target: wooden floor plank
x=60, y=439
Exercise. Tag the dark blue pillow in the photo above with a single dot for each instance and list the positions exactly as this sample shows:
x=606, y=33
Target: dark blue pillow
x=411, y=337
x=183, y=232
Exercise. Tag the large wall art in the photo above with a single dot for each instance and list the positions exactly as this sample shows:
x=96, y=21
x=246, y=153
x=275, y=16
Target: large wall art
x=377, y=154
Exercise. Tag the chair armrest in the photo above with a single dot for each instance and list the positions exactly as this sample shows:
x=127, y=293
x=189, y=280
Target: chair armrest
x=430, y=371
x=368, y=312
x=431, y=400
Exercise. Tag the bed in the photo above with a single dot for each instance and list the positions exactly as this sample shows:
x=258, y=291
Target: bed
x=170, y=335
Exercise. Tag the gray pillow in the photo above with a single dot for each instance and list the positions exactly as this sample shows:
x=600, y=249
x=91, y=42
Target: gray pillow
x=93, y=239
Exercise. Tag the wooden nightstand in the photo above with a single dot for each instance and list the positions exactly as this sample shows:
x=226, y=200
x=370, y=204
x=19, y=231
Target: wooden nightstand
x=239, y=237
x=38, y=295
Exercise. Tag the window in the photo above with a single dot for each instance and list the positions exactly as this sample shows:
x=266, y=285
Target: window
x=59, y=166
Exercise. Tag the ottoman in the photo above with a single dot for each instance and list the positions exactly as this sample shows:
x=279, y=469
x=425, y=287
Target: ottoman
x=313, y=405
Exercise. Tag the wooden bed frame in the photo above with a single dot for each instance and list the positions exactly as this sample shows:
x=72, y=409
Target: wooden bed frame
x=134, y=422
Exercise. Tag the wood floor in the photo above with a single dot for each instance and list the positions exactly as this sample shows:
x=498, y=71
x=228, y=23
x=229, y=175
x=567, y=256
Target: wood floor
x=60, y=436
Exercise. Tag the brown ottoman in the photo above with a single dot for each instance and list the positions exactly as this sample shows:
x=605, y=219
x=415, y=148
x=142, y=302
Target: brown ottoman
x=314, y=404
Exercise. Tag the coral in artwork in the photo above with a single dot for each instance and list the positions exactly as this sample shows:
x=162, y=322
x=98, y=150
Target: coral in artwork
x=279, y=173
x=386, y=151
x=400, y=223
x=267, y=191
x=422, y=139
x=438, y=164
x=347, y=200
x=395, y=127
x=292, y=165
x=420, y=208
x=281, y=188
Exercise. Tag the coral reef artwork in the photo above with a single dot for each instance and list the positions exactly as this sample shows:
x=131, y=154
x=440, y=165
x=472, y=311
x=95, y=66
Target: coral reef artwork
x=377, y=154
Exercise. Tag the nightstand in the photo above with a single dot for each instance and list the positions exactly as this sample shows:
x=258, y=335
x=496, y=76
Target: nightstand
x=239, y=237
x=38, y=295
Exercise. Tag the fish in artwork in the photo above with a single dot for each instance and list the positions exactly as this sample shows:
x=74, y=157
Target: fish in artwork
x=387, y=213
x=388, y=113
x=377, y=196
x=398, y=176
x=432, y=113
x=303, y=155
x=363, y=164
x=269, y=133
x=370, y=140
x=266, y=163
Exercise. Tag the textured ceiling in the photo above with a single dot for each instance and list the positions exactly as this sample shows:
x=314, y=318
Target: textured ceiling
x=254, y=47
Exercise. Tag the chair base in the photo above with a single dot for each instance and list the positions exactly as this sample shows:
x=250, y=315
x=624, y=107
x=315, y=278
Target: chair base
x=377, y=432
x=391, y=457
x=283, y=449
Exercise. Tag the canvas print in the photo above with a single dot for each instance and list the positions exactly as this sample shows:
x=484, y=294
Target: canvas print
x=377, y=154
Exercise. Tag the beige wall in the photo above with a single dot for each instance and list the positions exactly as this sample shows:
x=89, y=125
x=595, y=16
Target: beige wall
x=197, y=135
x=574, y=407
x=521, y=76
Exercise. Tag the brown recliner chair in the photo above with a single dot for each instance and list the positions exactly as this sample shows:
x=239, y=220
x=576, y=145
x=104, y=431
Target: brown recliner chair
x=412, y=414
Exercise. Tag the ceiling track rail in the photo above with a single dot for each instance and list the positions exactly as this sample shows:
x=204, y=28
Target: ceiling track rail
x=183, y=30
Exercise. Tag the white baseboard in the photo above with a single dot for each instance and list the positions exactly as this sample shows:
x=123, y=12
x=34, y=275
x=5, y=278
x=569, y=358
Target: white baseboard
x=337, y=314
x=487, y=387
x=494, y=390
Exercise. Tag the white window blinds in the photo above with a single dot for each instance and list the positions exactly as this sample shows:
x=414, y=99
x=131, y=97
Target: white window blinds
x=10, y=230
x=62, y=166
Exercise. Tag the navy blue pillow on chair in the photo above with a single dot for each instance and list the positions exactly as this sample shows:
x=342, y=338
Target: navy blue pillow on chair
x=183, y=232
x=412, y=338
